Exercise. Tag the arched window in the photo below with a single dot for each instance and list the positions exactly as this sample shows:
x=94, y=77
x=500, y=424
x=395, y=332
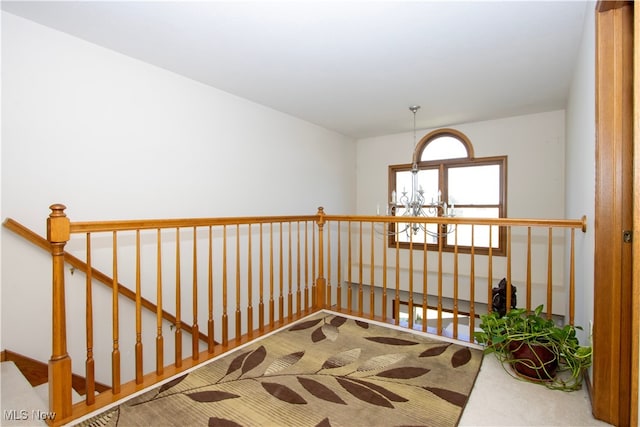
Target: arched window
x=443, y=144
x=465, y=186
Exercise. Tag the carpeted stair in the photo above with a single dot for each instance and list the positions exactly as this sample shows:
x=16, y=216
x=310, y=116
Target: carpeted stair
x=20, y=403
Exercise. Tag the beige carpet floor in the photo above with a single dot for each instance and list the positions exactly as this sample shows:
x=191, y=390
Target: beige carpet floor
x=498, y=399
x=326, y=370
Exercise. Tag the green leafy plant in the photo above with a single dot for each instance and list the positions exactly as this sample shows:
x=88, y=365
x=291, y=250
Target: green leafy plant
x=520, y=330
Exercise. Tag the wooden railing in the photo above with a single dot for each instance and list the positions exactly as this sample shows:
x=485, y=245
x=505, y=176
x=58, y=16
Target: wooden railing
x=243, y=277
x=97, y=275
x=443, y=282
x=240, y=277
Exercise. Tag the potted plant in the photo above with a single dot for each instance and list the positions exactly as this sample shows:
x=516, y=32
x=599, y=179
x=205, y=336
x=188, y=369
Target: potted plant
x=537, y=349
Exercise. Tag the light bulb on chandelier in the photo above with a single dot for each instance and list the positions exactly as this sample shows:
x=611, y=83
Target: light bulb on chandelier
x=414, y=204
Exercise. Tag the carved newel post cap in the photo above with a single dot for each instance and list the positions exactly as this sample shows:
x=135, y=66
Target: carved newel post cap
x=58, y=225
x=57, y=210
x=320, y=214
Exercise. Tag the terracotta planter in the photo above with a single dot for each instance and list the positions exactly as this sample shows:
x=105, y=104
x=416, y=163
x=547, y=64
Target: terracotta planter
x=533, y=361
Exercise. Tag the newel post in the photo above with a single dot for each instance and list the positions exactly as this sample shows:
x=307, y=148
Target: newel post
x=320, y=280
x=58, y=233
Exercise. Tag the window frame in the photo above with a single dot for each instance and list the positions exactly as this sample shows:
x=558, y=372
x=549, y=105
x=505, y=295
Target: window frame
x=443, y=165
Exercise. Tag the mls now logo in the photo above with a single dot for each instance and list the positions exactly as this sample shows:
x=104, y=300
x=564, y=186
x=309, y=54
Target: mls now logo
x=23, y=415
x=15, y=414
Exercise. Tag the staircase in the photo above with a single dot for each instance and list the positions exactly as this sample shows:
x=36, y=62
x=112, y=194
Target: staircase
x=24, y=398
x=22, y=404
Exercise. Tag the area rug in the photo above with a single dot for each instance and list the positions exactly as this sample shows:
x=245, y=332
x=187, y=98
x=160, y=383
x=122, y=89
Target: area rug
x=326, y=370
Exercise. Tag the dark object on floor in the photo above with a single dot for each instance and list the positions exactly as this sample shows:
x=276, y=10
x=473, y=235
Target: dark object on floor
x=499, y=297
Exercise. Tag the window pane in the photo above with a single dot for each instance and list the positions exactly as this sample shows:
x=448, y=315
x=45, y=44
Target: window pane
x=428, y=179
x=474, y=185
x=444, y=147
x=481, y=231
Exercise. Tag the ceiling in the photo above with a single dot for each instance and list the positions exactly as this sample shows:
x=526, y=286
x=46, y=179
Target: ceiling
x=351, y=66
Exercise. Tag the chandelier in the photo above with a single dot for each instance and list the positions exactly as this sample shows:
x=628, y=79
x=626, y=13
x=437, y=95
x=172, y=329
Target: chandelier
x=413, y=203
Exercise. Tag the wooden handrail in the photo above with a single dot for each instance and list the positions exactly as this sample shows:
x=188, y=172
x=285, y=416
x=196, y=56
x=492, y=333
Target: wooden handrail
x=101, y=277
x=149, y=224
x=153, y=224
x=560, y=223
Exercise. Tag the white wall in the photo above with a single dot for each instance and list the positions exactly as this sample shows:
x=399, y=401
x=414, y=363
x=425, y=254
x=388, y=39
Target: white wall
x=115, y=138
x=535, y=148
x=580, y=167
x=533, y=143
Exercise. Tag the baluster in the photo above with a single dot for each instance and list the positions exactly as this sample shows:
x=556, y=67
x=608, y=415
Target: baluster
x=298, y=274
x=271, y=300
x=115, y=353
x=89, y=364
x=425, y=273
x=281, y=278
x=225, y=316
x=314, y=283
x=472, y=285
x=528, y=291
x=410, y=301
x=290, y=278
x=339, y=273
x=372, y=302
x=396, y=308
x=490, y=272
x=439, y=323
x=178, y=332
x=550, y=275
x=195, y=329
x=349, y=278
x=385, y=228
x=360, y=290
x=329, y=267
x=261, y=303
x=249, y=283
x=455, y=284
x=138, y=346
x=159, y=337
x=572, y=279
x=238, y=312
x=210, y=322
x=306, y=266
x=508, y=289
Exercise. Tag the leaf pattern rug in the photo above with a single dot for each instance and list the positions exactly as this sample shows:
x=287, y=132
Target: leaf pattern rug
x=325, y=370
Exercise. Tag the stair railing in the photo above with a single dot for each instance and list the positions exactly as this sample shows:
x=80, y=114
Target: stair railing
x=329, y=255
x=101, y=277
x=281, y=304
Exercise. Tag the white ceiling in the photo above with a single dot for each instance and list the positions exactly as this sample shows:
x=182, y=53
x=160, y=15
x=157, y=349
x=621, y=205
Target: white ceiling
x=351, y=66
